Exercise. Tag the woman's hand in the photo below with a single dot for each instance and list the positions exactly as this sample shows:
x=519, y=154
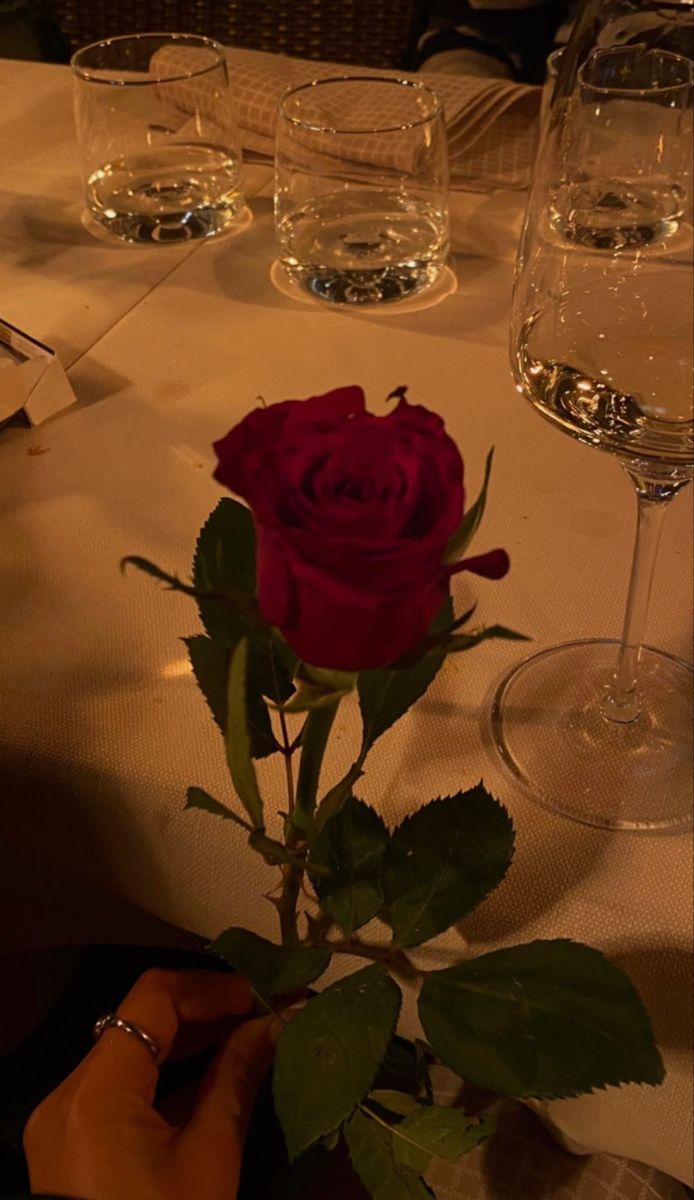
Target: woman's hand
x=98, y=1136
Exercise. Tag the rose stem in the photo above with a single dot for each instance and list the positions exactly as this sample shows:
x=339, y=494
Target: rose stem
x=396, y=958
x=316, y=733
x=287, y=752
x=292, y=876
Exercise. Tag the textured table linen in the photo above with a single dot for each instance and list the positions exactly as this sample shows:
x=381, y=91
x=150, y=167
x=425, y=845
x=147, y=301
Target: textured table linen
x=101, y=725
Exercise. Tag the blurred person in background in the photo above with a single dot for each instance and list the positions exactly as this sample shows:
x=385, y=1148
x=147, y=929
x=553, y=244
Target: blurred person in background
x=504, y=39
x=29, y=30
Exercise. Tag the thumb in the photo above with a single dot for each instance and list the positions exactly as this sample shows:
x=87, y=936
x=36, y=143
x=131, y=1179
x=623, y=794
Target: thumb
x=229, y=1088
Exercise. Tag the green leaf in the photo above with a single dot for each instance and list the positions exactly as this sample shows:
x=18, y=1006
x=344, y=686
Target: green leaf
x=313, y=744
x=351, y=849
x=463, y=535
x=237, y=612
x=267, y=676
x=172, y=581
x=198, y=798
x=272, y=851
x=210, y=662
x=442, y=861
x=319, y=688
x=333, y=801
x=460, y=621
x=396, y=1102
x=549, y=1019
x=386, y=695
x=372, y=1153
x=465, y=641
x=225, y=561
x=237, y=738
x=335, y=1045
x=436, y=1132
x=273, y=970
x=224, y=564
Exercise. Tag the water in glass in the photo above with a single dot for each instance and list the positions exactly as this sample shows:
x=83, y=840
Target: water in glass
x=158, y=139
x=352, y=247
x=361, y=189
x=171, y=194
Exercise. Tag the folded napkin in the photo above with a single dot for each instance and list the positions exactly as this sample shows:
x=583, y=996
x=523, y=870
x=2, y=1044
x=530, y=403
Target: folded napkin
x=491, y=123
x=521, y=1162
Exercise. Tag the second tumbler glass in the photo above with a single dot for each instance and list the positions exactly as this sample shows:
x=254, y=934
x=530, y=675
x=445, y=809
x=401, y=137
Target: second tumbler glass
x=361, y=195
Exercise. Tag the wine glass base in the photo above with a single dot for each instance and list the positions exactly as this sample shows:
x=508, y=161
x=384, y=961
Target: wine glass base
x=547, y=725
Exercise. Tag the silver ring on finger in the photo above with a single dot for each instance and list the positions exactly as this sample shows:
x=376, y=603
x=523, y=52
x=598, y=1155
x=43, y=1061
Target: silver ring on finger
x=113, y=1021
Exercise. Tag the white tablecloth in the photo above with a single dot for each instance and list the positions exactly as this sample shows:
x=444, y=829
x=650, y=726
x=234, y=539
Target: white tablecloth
x=101, y=725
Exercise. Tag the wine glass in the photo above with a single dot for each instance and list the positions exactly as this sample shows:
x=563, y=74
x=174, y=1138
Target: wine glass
x=601, y=345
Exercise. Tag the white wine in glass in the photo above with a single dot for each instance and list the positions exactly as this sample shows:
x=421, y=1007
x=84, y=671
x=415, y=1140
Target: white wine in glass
x=601, y=345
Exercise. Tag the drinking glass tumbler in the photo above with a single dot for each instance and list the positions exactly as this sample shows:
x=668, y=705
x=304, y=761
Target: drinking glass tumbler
x=361, y=188
x=158, y=138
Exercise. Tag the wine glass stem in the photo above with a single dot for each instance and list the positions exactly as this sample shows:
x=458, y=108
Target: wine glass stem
x=621, y=702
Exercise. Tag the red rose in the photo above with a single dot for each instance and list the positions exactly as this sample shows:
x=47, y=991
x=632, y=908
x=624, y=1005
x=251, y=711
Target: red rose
x=352, y=515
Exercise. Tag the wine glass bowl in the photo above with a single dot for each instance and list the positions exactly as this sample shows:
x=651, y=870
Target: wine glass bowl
x=601, y=346
x=609, y=360
x=614, y=191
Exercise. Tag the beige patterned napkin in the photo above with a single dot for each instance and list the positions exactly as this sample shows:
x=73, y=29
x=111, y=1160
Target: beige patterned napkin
x=521, y=1162
x=491, y=123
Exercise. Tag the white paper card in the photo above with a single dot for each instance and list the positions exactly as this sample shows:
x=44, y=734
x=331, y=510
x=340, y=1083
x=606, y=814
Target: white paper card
x=32, y=378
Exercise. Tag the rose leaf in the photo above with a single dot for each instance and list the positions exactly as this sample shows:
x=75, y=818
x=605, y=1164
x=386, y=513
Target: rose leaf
x=172, y=582
x=371, y=1149
x=210, y=663
x=198, y=798
x=333, y=801
x=225, y=564
x=547, y=1019
x=273, y=970
x=225, y=549
x=386, y=695
x=460, y=539
x=275, y=853
x=465, y=641
x=237, y=737
x=435, y=1132
x=400, y=1103
x=442, y=861
x=336, y=1043
x=350, y=849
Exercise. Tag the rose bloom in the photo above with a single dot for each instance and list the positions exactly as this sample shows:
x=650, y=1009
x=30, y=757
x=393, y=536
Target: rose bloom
x=352, y=515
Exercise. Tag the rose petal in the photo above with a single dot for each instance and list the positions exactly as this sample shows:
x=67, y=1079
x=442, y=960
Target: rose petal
x=274, y=578
x=352, y=513
x=264, y=429
x=492, y=565
x=332, y=624
x=336, y=405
